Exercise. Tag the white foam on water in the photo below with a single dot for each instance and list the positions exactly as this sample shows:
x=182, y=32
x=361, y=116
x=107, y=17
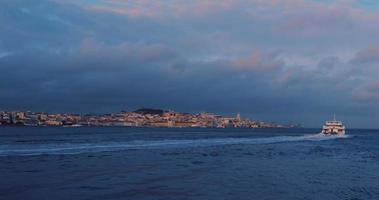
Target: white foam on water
x=78, y=148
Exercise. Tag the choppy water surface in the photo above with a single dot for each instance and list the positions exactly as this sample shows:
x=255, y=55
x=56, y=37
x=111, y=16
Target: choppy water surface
x=126, y=163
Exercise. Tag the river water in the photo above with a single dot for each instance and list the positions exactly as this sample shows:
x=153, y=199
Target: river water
x=145, y=163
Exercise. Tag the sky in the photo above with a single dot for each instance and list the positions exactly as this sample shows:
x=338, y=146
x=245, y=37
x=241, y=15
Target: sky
x=280, y=61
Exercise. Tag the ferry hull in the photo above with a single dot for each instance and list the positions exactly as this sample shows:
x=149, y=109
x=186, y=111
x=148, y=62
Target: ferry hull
x=333, y=133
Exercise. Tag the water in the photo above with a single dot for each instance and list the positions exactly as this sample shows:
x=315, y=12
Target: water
x=136, y=163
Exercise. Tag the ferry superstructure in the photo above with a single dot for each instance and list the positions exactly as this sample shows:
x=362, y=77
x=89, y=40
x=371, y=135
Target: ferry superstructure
x=333, y=127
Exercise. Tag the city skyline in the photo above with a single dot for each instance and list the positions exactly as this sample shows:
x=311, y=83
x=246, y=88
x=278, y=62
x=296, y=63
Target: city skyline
x=285, y=61
x=144, y=117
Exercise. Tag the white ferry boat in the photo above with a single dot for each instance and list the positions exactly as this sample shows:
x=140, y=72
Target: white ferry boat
x=333, y=127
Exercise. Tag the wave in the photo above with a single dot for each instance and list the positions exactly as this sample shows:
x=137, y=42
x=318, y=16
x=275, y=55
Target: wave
x=78, y=148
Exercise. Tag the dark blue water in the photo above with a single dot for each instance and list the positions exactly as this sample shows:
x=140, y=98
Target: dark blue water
x=127, y=163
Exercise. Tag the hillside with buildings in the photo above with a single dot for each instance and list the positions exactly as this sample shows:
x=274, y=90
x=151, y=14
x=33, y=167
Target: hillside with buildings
x=140, y=118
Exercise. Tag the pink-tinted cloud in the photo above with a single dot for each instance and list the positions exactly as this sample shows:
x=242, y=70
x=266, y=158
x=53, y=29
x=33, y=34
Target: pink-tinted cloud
x=290, y=17
x=163, y=9
x=369, y=55
x=368, y=93
x=258, y=62
x=252, y=62
x=316, y=23
x=315, y=18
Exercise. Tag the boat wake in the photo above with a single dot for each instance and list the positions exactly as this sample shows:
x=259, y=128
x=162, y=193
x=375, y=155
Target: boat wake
x=78, y=148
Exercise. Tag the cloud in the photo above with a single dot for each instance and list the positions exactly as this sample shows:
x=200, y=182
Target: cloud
x=368, y=94
x=158, y=9
x=137, y=52
x=369, y=55
x=270, y=59
x=5, y=54
x=329, y=63
x=258, y=62
x=313, y=23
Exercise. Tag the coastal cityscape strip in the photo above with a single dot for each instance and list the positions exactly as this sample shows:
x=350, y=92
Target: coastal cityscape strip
x=139, y=118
